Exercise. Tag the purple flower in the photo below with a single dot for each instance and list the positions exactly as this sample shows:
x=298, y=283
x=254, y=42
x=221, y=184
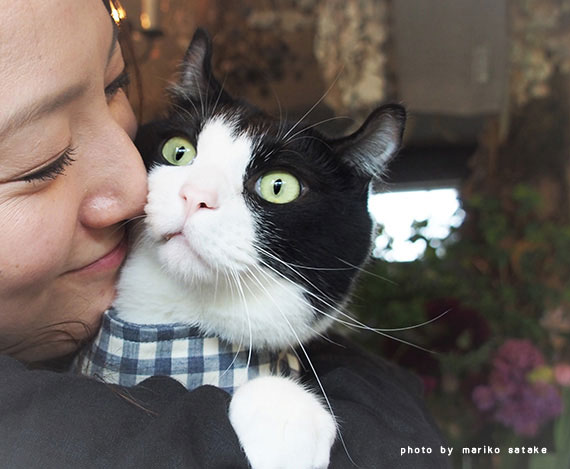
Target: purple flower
x=531, y=407
x=484, y=397
x=514, y=400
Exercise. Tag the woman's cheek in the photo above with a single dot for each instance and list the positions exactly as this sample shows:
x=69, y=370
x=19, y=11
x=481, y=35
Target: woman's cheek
x=35, y=239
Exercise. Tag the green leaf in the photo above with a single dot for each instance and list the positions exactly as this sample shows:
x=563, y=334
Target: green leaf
x=544, y=461
x=562, y=432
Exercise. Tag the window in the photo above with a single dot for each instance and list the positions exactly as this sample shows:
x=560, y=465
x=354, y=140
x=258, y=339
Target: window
x=396, y=213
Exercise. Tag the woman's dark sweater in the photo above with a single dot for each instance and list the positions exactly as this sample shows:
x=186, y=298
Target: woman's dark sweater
x=60, y=420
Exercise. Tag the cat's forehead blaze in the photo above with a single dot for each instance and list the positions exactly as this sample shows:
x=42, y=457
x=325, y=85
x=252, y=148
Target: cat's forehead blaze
x=218, y=141
x=246, y=146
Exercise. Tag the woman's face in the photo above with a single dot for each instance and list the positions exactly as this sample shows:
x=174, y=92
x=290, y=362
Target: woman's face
x=69, y=173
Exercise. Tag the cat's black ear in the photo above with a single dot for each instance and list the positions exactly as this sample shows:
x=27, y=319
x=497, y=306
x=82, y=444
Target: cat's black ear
x=196, y=79
x=375, y=143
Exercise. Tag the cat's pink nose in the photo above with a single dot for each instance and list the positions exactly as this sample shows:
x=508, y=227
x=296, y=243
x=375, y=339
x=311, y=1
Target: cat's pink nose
x=197, y=198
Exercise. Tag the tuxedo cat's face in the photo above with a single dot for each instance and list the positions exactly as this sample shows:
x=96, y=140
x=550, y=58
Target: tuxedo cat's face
x=234, y=193
x=197, y=211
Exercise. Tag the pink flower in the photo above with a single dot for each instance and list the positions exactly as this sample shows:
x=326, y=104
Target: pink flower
x=518, y=354
x=562, y=374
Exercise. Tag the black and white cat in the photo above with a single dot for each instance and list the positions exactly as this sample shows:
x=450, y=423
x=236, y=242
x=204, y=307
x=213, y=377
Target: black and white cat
x=254, y=232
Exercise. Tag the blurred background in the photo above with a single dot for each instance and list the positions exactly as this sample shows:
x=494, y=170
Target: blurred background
x=472, y=258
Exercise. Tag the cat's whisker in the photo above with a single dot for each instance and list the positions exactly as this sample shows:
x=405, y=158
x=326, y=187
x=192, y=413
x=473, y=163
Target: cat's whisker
x=316, y=124
x=367, y=272
x=236, y=278
x=378, y=331
x=355, y=324
x=310, y=137
x=216, y=283
x=229, y=284
x=290, y=267
x=142, y=216
x=219, y=95
x=185, y=111
x=236, y=355
x=252, y=275
x=311, y=306
x=282, y=127
x=281, y=121
x=315, y=374
x=326, y=397
x=294, y=152
x=306, y=267
x=203, y=113
x=239, y=347
x=425, y=323
x=329, y=340
x=319, y=101
x=177, y=90
x=133, y=220
x=319, y=298
x=324, y=337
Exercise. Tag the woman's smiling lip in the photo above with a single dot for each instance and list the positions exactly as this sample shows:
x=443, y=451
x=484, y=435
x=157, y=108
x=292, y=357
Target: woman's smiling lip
x=109, y=262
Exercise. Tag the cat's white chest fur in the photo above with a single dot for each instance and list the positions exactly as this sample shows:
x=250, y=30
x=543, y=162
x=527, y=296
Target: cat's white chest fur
x=259, y=309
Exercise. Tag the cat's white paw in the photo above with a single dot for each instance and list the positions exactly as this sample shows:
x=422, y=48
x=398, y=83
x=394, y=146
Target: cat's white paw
x=281, y=425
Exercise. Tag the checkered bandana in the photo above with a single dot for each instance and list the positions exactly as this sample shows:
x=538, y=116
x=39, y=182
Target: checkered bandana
x=126, y=353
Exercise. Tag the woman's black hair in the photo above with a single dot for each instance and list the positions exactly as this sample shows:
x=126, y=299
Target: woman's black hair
x=107, y=4
x=126, y=42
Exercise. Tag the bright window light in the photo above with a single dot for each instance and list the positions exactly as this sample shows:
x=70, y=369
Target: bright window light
x=397, y=211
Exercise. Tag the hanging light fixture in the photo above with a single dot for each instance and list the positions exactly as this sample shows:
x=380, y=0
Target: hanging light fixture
x=118, y=13
x=150, y=17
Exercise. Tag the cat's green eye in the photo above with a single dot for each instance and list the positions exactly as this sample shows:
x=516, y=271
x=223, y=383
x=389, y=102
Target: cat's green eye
x=178, y=151
x=278, y=187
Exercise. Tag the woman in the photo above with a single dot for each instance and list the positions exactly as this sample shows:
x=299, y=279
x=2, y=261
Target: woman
x=69, y=178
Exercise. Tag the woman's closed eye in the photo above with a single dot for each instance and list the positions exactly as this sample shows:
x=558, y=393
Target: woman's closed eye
x=120, y=83
x=57, y=166
x=53, y=169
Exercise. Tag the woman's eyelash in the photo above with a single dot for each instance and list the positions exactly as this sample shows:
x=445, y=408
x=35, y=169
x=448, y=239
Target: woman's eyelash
x=121, y=82
x=54, y=169
x=57, y=168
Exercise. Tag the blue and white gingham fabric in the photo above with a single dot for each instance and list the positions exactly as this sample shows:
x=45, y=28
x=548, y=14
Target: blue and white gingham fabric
x=126, y=353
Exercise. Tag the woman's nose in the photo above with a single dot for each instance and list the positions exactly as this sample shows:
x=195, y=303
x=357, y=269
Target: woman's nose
x=116, y=190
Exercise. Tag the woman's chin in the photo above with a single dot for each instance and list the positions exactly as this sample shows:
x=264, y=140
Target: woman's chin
x=65, y=334
x=57, y=343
